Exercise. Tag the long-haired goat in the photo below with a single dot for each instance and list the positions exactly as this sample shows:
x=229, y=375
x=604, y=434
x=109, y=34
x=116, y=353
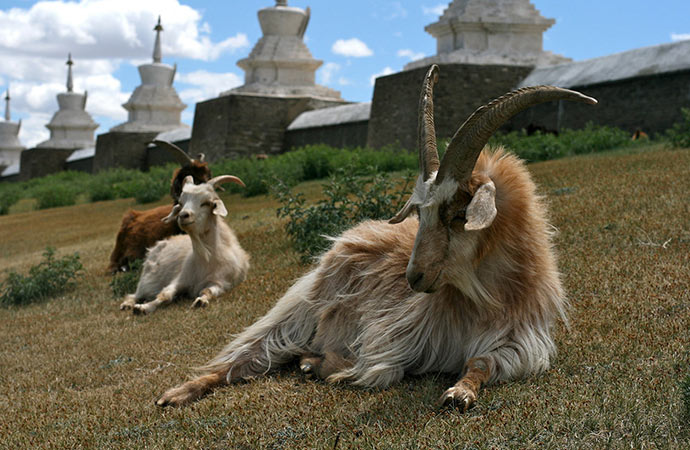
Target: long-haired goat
x=204, y=263
x=141, y=229
x=470, y=286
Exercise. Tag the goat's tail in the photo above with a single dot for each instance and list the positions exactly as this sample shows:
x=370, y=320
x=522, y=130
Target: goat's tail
x=275, y=339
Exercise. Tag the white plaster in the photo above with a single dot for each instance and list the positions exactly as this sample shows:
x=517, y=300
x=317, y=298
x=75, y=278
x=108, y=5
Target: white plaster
x=490, y=32
x=280, y=64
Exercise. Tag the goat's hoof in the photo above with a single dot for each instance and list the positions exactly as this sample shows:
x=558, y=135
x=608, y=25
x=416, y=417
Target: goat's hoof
x=200, y=303
x=139, y=310
x=458, y=397
x=178, y=396
x=126, y=306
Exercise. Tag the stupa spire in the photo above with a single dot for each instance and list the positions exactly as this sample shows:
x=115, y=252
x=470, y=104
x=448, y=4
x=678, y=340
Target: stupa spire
x=7, y=105
x=157, y=53
x=281, y=3
x=70, y=84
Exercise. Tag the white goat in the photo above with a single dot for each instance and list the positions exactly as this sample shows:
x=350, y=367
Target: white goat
x=470, y=287
x=204, y=263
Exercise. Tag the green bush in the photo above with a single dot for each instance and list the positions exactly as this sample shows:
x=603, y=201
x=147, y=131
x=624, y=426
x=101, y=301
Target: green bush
x=47, y=279
x=54, y=195
x=124, y=283
x=350, y=199
x=679, y=134
x=10, y=193
x=545, y=146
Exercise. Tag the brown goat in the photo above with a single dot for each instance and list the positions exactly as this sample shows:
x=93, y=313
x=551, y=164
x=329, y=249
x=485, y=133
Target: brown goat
x=469, y=286
x=141, y=229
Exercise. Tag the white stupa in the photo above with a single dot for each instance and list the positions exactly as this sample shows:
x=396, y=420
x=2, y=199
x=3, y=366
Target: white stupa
x=154, y=105
x=490, y=32
x=280, y=64
x=10, y=147
x=71, y=126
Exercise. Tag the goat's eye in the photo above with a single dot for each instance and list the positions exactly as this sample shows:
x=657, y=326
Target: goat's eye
x=459, y=217
x=206, y=204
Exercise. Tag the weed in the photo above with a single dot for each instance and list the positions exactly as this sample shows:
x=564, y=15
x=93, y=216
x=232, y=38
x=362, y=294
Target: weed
x=679, y=134
x=685, y=392
x=124, y=283
x=47, y=279
x=350, y=199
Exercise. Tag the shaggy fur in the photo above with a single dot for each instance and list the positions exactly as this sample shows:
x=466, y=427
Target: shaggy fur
x=205, y=263
x=354, y=317
x=141, y=229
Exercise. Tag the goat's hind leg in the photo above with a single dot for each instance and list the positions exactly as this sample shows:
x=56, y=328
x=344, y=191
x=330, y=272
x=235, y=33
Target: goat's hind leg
x=129, y=302
x=323, y=366
x=205, y=295
x=163, y=298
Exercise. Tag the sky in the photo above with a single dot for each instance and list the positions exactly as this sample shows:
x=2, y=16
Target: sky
x=357, y=40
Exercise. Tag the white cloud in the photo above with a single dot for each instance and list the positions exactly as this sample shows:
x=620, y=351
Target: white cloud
x=351, y=48
x=410, y=54
x=344, y=81
x=436, y=10
x=386, y=71
x=206, y=85
x=327, y=72
x=675, y=37
x=102, y=35
x=111, y=29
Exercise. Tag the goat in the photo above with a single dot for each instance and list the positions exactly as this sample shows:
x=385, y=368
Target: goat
x=470, y=286
x=204, y=263
x=139, y=230
x=639, y=134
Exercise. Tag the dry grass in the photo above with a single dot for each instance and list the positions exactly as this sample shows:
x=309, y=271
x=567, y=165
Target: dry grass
x=76, y=371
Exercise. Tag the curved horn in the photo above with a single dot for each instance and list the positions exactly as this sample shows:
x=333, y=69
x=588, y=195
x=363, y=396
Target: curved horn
x=225, y=179
x=468, y=142
x=180, y=155
x=201, y=157
x=428, y=153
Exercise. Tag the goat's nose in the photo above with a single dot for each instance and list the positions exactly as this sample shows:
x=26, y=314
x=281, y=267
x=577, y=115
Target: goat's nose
x=415, y=279
x=184, y=215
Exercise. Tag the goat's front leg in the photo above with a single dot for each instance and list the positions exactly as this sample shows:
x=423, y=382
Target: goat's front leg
x=163, y=298
x=464, y=393
x=207, y=294
x=129, y=302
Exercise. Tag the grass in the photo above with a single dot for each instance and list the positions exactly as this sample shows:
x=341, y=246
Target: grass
x=77, y=372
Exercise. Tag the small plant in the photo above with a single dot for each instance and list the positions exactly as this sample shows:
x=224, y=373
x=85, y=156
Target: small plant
x=685, y=392
x=124, y=283
x=679, y=134
x=9, y=195
x=350, y=199
x=49, y=278
x=54, y=195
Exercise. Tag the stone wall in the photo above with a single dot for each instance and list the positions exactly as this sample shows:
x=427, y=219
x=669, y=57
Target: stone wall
x=461, y=89
x=243, y=125
x=38, y=162
x=649, y=103
x=344, y=135
x=121, y=149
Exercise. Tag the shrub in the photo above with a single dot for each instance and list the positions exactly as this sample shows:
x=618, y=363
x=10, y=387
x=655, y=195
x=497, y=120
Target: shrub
x=679, y=134
x=350, y=198
x=10, y=193
x=124, y=283
x=54, y=195
x=47, y=279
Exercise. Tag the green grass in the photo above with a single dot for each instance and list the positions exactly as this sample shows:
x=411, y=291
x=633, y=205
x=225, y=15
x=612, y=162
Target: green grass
x=78, y=372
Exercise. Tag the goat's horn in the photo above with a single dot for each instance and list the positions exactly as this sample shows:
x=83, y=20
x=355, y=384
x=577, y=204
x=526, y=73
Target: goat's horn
x=428, y=153
x=225, y=179
x=468, y=142
x=180, y=155
x=201, y=157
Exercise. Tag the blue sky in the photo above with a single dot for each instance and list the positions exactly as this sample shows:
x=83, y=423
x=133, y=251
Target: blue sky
x=109, y=38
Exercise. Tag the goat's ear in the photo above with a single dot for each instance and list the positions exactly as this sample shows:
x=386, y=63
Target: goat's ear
x=173, y=214
x=219, y=208
x=481, y=211
x=403, y=213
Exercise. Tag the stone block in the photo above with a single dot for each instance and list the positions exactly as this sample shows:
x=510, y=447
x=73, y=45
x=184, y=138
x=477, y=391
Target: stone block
x=461, y=89
x=38, y=162
x=120, y=149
